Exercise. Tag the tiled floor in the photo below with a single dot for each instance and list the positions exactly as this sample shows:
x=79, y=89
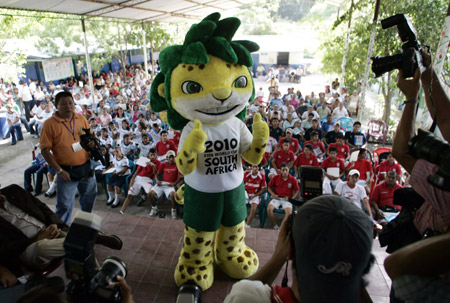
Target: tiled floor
x=152, y=245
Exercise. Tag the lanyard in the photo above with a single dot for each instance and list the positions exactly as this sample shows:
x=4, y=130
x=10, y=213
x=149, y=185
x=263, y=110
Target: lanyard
x=72, y=132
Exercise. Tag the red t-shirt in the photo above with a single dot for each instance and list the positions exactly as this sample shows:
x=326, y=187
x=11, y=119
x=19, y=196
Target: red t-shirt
x=303, y=161
x=363, y=166
x=176, y=138
x=284, y=188
x=163, y=148
x=384, y=167
x=329, y=163
x=294, y=145
x=147, y=171
x=383, y=195
x=280, y=156
x=318, y=147
x=169, y=171
x=342, y=150
x=254, y=183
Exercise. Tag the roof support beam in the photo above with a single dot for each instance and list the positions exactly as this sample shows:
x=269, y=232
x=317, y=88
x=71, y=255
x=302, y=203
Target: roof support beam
x=88, y=63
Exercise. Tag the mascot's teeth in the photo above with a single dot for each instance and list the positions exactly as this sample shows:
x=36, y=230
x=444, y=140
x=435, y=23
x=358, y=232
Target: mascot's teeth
x=216, y=110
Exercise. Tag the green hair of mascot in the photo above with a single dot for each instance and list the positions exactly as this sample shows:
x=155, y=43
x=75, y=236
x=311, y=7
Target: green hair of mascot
x=210, y=36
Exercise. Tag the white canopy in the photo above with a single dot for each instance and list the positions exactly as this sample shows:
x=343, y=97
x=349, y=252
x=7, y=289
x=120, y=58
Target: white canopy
x=147, y=10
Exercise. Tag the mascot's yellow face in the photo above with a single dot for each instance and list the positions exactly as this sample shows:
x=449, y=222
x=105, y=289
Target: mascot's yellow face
x=211, y=93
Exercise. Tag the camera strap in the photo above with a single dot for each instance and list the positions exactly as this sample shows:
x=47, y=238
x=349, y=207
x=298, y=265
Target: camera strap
x=72, y=131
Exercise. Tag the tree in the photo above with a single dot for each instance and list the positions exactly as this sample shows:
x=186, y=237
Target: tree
x=428, y=21
x=258, y=18
x=12, y=52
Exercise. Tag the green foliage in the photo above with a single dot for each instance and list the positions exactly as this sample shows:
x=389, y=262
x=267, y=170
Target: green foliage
x=259, y=18
x=294, y=10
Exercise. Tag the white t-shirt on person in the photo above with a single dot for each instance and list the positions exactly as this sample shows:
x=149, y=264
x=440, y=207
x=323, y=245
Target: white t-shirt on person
x=355, y=194
x=120, y=164
x=219, y=168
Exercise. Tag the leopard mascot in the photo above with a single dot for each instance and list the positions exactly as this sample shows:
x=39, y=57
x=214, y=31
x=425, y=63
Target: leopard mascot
x=205, y=85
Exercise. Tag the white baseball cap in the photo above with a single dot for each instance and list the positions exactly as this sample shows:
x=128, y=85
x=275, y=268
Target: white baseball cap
x=353, y=172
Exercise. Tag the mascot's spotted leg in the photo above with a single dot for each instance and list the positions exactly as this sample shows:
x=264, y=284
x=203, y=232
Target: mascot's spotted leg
x=235, y=258
x=205, y=85
x=195, y=263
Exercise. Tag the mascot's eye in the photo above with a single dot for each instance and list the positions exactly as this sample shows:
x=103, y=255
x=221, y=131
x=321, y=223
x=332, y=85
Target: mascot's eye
x=191, y=87
x=240, y=82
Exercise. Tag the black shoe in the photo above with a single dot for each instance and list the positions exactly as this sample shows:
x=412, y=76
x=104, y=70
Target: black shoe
x=141, y=202
x=111, y=241
x=115, y=205
x=109, y=203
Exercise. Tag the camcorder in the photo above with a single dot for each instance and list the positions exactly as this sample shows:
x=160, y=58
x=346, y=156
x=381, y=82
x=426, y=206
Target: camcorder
x=425, y=145
x=87, y=282
x=410, y=58
x=92, y=148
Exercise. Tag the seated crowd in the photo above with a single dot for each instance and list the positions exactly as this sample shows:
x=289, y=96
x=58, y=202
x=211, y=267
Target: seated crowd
x=140, y=150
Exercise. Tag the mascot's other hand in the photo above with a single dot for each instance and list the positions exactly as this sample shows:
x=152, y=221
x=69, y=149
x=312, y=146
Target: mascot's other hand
x=195, y=143
x=260, y=130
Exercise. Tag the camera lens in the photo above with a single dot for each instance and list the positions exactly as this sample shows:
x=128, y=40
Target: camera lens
x=426, y=146
x=381, y=65
x=112, y=267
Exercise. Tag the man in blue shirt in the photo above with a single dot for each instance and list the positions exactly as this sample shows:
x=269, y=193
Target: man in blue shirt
x=355, y=138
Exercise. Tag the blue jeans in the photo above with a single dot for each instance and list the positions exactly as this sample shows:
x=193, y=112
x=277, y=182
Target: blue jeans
x=13, y=129
x=40, y=171
x=65, y=196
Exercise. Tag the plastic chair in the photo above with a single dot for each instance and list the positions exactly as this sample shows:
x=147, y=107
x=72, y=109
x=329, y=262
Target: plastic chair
x=380, y=154
x=378, y=130
x=54, y=264
x=37, y=159
x=346, y=123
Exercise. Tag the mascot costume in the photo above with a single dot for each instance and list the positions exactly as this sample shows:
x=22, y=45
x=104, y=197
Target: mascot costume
x=205, y=85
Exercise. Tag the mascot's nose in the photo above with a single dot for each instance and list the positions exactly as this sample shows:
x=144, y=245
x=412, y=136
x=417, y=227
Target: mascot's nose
x=222, y=94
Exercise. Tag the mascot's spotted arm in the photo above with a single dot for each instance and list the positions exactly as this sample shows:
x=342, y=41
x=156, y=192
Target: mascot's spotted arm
x=205, y=85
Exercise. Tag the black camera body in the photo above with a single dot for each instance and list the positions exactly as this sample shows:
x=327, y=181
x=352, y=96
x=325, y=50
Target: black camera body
x=87, y=282
x=93, y=149
x=410, y=58
x=427, y=146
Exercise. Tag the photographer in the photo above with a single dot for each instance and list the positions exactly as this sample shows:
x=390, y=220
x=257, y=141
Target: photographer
x=434, y=215
x=418, y=271
x=61, y=135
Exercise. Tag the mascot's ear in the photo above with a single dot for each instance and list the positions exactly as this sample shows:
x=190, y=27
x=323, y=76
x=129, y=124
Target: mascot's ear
x=161, y=90
x=157, y=100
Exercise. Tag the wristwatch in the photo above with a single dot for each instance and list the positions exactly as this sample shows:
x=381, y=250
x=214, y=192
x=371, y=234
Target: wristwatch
x=59, y=171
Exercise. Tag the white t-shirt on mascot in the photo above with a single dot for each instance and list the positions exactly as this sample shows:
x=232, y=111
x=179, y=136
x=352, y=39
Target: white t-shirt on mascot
x=219, y=168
